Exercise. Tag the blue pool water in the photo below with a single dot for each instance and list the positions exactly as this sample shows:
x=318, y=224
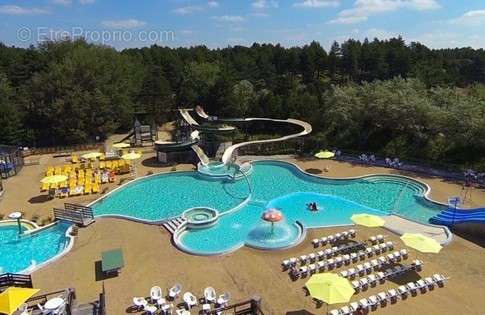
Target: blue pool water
x=18, y=253
x=272, y=184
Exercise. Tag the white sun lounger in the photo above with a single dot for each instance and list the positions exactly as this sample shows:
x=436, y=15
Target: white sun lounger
x=404, y=253
x=155, y=293
x=364, y=283
x=380, y=238
x=391, y=294
x=343, y=273
x=354, y=257
x=210, y=295
x=382, y=297
x=345, y=310
x=382, y=260
x=390, y=245
x=224, y=299
x=312, y=268
x=351, y=272
x=411, y=287
x=303, y=259
x=346, y=259
x=320, y=254
x=354, y=306
x=372, y=280
x=421, y=285
x=360, y=269
x=330, y=263
x=367, y=267
x=372, y=300
x=316, y=242
x=324, y=240
x=373, y=240
x=375, y=264
x=174, y=291
x=321, y=265
x=352, y=233
x=356, y=284
x=190, y=300
x=384, y=247
x=403, y=290
x=361, y=254
x=381, y=276
x=429, y=282
x=364, y=303
x=312, y=256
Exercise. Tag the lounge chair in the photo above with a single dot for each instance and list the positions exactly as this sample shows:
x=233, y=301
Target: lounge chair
x=304, y=270
x=373, y=240
x=316, y=242
x=174, y=291
x=95, y=188
x=382, y=298
x=351, y=272
x=429, y=282
x=404, y=253
x=210, y=295
x=364, y=283
x=150, y=309
x=383, y=247
x=382, y=260
x=403, y=291
x=439, y=279
x=324, y=240
x=381, y=276
x=422, y=286
x=360, y=269
x=338, y=261
x=321, y=254
x=312, y=268
x=364, y=304
x=372, y=280
x=411, y=287
x=354, y=307
x=354, y=257
x=224, y=299
x=190, y=300
x=352, y=233
x=303, y=259
x=373, y=301
x=369, y=251
x=312, y=256
x=321, y=265
x=356, y=284
x=345, y=310
x=367, y=267
x=343, y=273
x=392, y=294
x=389, y=245
x=155, y=293
x=380, y=238
x=346, y=259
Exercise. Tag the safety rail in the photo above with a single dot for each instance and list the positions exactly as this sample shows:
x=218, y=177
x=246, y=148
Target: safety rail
x=15, y=280
x=68, y=295
x=250, y=307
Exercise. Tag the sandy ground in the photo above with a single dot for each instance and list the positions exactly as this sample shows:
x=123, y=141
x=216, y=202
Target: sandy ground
x=151, y=259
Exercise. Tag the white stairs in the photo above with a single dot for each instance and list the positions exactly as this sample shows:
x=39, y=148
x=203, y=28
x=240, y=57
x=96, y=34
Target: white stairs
x=174, y=224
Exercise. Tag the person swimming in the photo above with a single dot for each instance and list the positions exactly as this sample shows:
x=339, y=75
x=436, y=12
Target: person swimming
x=312, y=206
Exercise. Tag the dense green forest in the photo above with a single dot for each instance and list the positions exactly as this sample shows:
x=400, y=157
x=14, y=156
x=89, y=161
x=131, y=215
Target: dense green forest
x=384, y=97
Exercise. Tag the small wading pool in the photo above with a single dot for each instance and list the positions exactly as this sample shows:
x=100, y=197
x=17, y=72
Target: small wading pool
x=198, y=218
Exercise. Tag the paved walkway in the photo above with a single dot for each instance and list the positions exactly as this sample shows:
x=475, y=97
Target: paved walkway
x=400, y=226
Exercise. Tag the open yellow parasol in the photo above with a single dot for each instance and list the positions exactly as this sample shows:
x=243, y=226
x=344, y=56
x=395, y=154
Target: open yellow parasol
x=368, y=220
x=54, y=179
x=325, y=154
x=421, y=243
x=91, y=155
x=12, y=298
x=330, y=288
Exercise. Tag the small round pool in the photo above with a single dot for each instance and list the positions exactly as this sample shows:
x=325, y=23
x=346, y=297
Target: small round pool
x=281, y=235
x=198, y=218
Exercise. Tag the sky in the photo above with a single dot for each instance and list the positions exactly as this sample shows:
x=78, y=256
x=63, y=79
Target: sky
x=222, y=23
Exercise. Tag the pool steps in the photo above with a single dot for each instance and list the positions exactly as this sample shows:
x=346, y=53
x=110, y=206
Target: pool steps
x=174, y=224
x=419, y=189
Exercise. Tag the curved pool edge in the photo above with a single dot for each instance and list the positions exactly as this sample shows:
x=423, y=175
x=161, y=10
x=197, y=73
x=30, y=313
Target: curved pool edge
x=425, y=195
x=67, y=249
x=301, y=237
x=29, y=225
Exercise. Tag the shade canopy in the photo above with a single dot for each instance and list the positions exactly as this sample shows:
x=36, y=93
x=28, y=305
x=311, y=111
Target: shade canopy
x=131, y=156
x=12, y=298
x=272, y=215
x=421, y=243
x=330, y=288
x=121, y=145
x=91, y=155
x=325, y=154
x=368, y=220
x=54, y=179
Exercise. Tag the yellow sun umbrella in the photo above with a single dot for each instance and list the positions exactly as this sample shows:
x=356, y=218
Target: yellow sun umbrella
x=368, y=220
x=330, y=288
x=121, y=145
x=131, y=156
x=12, y=298
x=421, y=243
x=54, y=179
x=325, y=154
x=91, y=155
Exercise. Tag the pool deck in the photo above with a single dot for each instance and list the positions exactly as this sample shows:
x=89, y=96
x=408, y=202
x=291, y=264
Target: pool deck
x=151, y=259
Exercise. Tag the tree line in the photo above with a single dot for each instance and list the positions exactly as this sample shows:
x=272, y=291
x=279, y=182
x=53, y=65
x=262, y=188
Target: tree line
x=380, y=96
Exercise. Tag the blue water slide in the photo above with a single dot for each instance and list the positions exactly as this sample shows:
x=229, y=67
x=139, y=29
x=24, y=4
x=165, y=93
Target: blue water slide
x=453, y=216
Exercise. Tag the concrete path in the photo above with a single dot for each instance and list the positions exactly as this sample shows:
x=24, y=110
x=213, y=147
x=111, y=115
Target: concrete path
x=401, y=225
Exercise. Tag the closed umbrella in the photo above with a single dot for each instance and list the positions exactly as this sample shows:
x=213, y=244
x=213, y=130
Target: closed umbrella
x=12, y=298
x=368, y=220
x=330, y=288
x=421, y=243
x=325, y=155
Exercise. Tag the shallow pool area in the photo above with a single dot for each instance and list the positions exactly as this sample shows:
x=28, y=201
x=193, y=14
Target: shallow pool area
x=24, y=252
x=240, y=203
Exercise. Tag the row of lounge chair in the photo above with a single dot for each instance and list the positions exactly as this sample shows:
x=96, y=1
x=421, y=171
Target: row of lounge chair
x=331, y=239
x=391, y=296
x=373, y=265
x=372, y=280
x=339, y=261
x=331, y=252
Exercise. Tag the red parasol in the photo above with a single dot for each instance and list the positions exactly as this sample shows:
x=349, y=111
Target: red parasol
x=272, y=215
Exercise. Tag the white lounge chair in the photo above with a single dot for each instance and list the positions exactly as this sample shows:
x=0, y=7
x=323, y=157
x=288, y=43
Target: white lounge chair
x=392, y=294
x=303, y=259
x=312, y=256
x=429, y=282
x=364, y=303
x=364, y=283
x=155, y=293
x=373, y=240
x=361, y=254
x=210, y=294
x=324, y=240
x=190, y=300
x=439, y=279
x=345, y=310
x=381, y=276
x=346, y=259
x=303, y=270
x=343, y=273
x=312, y=268
x=382, y=298
x=411, y=287
x=320, y=254
x=351, y=272
x=372, y=301
x=328, y=252
x=352, y=233
x=338, y=261
x=316, y=242
x=354, y=307
x=345, y=234
x=421, y=285
x=390, y=245
x=372, y=280
x=382, y=260
x=367, y=267
x=330, y=263
x=150, y=309
x=380, y=238
x=224, y=299
x=356, y=284
x=360, y=269
x=174, y=291
x=404, y=253
x=354, y=257
x=369, y=251
x=403, y=291
x=383, y=247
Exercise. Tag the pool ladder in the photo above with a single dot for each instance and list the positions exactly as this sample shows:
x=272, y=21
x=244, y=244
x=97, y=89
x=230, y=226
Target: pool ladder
x=173, y=225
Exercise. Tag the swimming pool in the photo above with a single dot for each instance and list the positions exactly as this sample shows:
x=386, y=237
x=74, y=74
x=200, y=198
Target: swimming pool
x=271, y=184
x=23, y=253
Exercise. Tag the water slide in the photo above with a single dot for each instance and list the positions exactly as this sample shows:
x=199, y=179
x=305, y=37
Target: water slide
x=451, y=216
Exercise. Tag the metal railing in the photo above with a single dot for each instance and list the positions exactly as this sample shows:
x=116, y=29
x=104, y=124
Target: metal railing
x=15, y=280
x=250, y=307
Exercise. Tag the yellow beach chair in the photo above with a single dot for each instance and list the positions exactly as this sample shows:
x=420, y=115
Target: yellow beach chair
x=95, y=188
x=102, y=165
x=58, y=170
x=102, y=157
x=87, y=188
x=44, y=187
x=80, y=174
x=109, y=164
x=74, y=159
